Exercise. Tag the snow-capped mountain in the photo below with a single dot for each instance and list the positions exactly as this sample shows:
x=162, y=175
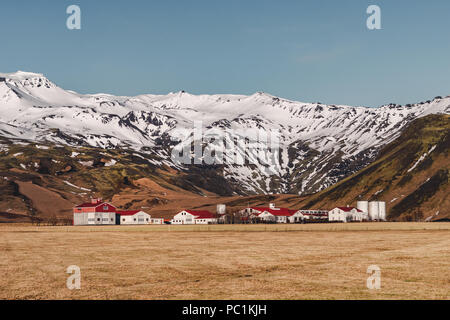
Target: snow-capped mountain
x=318, y=144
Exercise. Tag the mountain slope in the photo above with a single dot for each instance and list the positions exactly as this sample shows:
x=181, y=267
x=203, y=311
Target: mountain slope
x=412, y=174
x=318, y=144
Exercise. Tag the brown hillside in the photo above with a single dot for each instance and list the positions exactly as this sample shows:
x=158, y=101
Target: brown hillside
x=411, y=174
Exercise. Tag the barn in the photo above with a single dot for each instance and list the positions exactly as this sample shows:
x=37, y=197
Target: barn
x=95, y=212
x=346, y=214
x=134, y=217
x=194, y=217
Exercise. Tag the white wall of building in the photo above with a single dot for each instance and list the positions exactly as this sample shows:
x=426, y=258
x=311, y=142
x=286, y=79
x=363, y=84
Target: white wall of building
x=183, y=217
x=297, y=217
x=337, y=214
x=99, y=218
x=267, y=216
x=157, y=220
x=281, y=219
x=80, y=219
x=140, y=217
x=308, y=215
x=205, y=221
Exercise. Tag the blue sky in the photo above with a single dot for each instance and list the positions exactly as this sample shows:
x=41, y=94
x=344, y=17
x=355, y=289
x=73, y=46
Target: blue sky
x=303, y=50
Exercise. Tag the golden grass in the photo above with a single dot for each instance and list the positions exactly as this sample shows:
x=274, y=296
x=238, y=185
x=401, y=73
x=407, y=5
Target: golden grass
x=321, y=261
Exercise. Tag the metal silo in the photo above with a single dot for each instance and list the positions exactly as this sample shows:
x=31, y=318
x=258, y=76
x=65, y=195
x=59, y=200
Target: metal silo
x=363, y=206
x=382, y=210
x=373, y=210
x=221, y=209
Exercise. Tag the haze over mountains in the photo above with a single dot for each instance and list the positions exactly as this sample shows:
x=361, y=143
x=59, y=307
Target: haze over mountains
x=319, y=144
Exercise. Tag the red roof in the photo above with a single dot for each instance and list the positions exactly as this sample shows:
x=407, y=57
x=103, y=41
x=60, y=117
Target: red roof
x=275, y=212
x=90, y=205
x=128, y=213
x=348, y=209
x=203, y=214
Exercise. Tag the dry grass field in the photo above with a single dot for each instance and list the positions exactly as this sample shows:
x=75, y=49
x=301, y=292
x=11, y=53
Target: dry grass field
x=322, y=261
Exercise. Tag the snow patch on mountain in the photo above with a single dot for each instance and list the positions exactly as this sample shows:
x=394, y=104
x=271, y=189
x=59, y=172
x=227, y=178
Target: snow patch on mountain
x=422, y=157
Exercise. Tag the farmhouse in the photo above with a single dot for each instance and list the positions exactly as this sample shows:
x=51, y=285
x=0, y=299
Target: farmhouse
x=346, y=214
x=194, y=217
x=95, y=212
x=269, y=214
x=134, y=217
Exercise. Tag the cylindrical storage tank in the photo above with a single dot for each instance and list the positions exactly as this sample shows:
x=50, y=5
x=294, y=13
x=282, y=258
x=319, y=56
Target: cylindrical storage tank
x=363, y=206
x=382, y=210
x=373, y=210
x=221, y=209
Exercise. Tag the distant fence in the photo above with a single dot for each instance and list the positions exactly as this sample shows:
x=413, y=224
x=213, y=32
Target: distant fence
x=51, y=221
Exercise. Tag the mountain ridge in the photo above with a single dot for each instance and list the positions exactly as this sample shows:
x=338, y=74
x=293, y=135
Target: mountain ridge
x=319, y=144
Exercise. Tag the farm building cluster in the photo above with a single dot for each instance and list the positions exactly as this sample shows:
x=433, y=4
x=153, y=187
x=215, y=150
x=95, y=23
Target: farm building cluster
x=98, y=212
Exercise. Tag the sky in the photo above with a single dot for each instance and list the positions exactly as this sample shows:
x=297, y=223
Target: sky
x=310, y=51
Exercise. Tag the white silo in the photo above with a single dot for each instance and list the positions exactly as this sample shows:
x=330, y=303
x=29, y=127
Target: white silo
x=382, y=210
x=363, y=206
x=373, y=210
x=221, y=209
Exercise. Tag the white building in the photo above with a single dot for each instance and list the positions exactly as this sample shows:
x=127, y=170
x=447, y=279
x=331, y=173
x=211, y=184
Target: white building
x=134, y=217
x=266, y=216
x=269, y=214
x=308, y=215
x=157, y=220
x=95, y=212
x=346, y=214
x=194, y=217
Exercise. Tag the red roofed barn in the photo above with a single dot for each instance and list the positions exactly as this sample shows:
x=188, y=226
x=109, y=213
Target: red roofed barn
x=95, y=212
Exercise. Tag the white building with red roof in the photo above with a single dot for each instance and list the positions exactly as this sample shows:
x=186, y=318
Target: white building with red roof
x=95, y=212
x=346, y=214
x=269, y=214
x=134, y=217
x=194, y=217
